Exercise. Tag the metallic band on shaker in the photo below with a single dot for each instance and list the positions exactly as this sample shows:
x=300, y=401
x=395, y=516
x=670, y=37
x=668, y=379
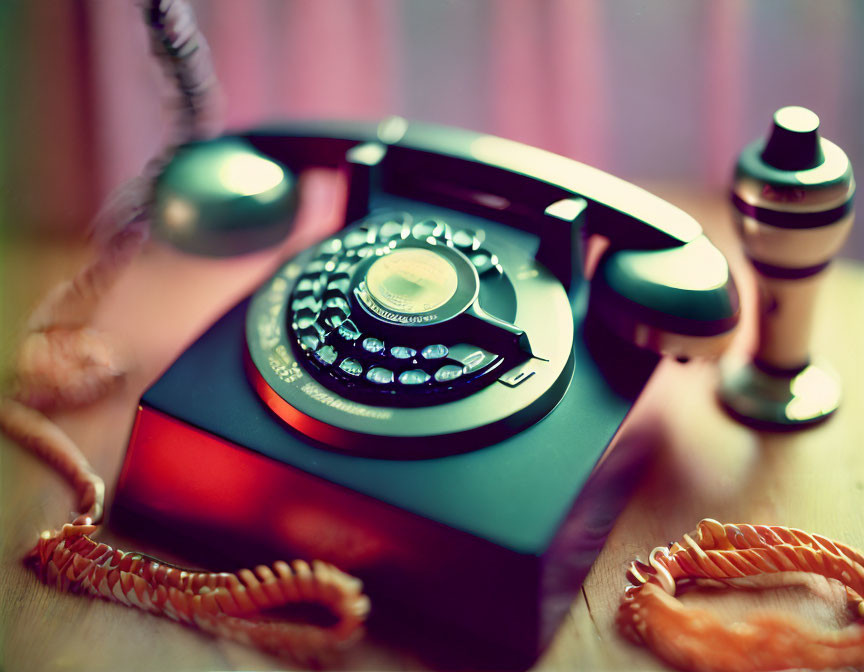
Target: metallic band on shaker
x=782, y=273
x=793, y=220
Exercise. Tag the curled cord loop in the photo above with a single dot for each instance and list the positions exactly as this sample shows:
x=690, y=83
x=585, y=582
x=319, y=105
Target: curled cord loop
x=57, y=334
x=729, y=556
x=183, y=52
x=229, y=605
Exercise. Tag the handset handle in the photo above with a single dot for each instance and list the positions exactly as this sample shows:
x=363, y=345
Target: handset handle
x=514, y=180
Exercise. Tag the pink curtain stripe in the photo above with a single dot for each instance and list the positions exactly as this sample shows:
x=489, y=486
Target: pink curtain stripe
x=580, y=80
x=129, y=93
x=723, y=96
x=332, y=61
x=240, y=36
x=520, y=72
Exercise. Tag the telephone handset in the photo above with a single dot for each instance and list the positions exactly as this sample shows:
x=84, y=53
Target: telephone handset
x=423, y=393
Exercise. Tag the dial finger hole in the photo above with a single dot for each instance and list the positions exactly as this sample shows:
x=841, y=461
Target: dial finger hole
x=333, y=317
x=483, y=260
x=307, y=302
x=373, y=345
x=465, y=239
x=448, y=372
x=393, y=230
x=304, y=318
x=436, y=351
x=432, y=228
x=308, y=287
x=401, y=352
x=339, y=302
x=413, y=377
x=309, y=338
x=330, y=246
x=316, y=266
x=349, y=331
x=326, y=354
x=351, y=366
x=340, y=282
x=379, y=375
x=358, y=237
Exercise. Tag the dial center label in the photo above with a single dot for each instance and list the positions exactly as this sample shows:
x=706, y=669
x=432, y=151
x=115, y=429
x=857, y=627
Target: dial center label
x=412, y=281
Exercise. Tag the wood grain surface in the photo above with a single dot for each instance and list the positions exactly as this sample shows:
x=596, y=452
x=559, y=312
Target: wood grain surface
x=706, y=465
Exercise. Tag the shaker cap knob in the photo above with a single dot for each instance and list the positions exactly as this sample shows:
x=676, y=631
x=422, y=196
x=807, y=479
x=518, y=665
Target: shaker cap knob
x=794, y=143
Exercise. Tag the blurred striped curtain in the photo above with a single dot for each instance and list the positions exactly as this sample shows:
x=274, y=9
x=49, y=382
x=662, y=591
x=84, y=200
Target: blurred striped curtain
x=647, y=89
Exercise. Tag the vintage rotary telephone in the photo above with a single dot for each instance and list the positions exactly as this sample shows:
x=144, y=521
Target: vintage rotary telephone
x=425, y=399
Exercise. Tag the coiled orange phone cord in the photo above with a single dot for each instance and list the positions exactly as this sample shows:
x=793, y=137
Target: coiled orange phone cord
x=229, y=605
x=731, y=555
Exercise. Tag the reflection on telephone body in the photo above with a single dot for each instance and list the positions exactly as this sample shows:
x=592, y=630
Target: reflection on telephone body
x=424, y=398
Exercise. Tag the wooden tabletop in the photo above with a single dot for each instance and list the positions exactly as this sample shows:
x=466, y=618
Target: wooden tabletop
x=706, y=465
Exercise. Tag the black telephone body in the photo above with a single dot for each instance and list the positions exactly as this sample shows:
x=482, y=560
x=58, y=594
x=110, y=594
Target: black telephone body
x=430, y=399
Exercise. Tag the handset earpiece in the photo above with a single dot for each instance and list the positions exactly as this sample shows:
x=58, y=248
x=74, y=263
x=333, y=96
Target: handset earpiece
x=222, y=197
x=679, y=301
x=672, y=294
x=236, y=194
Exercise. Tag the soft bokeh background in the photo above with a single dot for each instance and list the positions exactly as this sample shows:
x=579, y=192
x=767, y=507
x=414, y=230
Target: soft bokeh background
x=652, y=90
